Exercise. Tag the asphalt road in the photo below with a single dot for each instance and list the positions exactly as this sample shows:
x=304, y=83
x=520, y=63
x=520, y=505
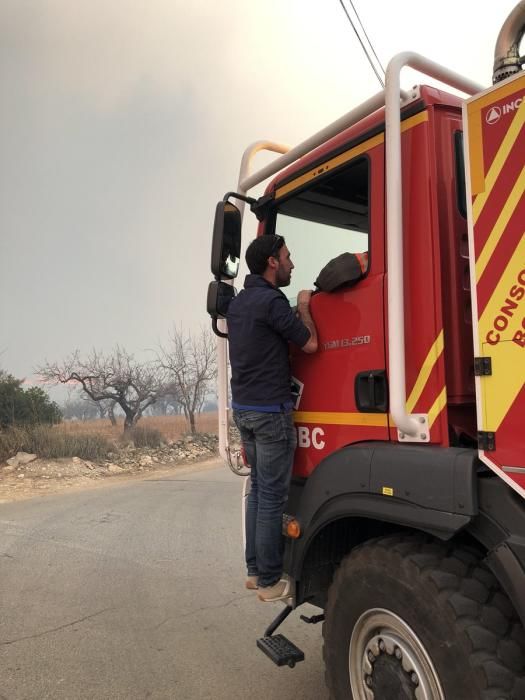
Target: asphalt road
x=135, y=590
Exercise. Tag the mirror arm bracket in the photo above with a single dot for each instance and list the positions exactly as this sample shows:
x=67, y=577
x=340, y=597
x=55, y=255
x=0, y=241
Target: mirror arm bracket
x=242, y=197
x=261, y=206
x=257, y=206
x=216, y=329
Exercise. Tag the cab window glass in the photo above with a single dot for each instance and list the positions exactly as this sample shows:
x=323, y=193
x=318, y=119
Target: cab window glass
x=327, y=219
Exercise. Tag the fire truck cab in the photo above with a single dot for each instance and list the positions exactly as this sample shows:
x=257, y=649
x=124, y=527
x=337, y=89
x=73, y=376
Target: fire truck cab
x=408, y=487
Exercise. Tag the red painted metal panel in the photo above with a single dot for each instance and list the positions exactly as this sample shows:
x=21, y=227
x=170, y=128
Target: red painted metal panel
x=329, y=375
x=438, y=343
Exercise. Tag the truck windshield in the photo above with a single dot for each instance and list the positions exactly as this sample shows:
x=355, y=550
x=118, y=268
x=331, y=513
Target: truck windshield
x=324, y=220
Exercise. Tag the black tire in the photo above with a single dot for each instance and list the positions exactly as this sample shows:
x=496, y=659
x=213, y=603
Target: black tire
x=448, y=598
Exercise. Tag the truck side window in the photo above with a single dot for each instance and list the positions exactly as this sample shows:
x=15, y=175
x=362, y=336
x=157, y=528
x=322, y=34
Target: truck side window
x=323, y=220
x=461, y=192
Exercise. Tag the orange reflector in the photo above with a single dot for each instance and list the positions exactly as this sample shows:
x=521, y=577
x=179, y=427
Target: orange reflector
x=293, y=529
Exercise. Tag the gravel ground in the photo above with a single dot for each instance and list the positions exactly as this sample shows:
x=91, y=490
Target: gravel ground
x=44, y=476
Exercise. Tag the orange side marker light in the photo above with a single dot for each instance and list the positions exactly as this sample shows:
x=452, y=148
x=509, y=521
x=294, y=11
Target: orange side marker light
x=293, y=529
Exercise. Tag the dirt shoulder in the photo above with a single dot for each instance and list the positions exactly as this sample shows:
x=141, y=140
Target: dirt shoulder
x=41, y=477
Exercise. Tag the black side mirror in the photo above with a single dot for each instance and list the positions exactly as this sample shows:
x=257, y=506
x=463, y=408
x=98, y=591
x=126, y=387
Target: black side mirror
x=219, y=296
x=226, y=242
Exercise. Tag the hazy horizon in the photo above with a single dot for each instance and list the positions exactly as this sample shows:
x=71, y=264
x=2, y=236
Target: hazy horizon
x=122, y=125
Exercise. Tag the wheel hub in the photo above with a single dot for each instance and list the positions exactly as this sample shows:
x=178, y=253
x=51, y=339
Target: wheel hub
x=388, y=660
x=391, y=675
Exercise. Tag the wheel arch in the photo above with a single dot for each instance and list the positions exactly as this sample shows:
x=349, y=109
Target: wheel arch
x=383, y=485
x=338, y=529
x=342, y=505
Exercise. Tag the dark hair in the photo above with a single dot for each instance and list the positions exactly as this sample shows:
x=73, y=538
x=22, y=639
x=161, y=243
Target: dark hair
x=260, y=250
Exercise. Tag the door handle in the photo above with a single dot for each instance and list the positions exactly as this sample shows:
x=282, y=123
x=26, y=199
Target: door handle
x=371, y=391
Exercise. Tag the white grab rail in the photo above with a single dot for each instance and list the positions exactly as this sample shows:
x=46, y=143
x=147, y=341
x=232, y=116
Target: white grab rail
x=416, y=426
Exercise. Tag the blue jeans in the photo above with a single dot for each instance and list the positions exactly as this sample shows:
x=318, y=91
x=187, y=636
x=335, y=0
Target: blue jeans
x=269, y=440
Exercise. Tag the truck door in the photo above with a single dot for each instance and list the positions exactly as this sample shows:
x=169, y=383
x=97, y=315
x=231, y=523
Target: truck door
x=495, y=122
x=341, y=389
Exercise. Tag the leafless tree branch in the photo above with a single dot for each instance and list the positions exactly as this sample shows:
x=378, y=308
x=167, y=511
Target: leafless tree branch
x=114, y=377
x=191, y=364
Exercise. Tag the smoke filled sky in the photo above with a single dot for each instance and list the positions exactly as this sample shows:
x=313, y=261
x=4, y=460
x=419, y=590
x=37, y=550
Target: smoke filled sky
x=122, y=123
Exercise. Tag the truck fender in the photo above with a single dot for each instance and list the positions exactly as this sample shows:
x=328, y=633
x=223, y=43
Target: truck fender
x=422, y=487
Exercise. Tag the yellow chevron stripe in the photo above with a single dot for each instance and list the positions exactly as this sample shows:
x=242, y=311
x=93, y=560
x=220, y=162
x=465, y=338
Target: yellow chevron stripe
x=345, y=157
x=499, y=161
x=438, y=405
x=500, y=225
x=424, y=373
x=379, y=420
x=508, y=366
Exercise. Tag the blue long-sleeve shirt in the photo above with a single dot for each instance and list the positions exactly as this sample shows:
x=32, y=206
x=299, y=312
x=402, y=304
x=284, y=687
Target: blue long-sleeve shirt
x=260, y=325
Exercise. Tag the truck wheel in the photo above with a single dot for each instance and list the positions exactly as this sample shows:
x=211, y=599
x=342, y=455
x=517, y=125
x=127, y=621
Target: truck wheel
x=411, y=618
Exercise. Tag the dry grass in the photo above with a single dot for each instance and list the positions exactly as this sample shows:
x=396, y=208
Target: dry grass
x=93, y=439
x=47, y=442
x=171, y=427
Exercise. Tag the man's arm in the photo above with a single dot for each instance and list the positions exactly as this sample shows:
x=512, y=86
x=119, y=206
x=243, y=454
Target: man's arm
x=303, y=310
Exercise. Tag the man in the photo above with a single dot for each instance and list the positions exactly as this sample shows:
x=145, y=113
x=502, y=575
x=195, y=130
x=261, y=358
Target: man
x=260, y=325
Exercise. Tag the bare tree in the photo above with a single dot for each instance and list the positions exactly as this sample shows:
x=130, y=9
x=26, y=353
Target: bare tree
x=169, y=404
x=111, y=412
x=80, y=406
x=191, y=364
x=75, y=407
x=104, y=408
x=78, y=409
x=116, y=377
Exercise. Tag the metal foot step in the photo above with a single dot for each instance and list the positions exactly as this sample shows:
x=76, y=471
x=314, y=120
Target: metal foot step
x=280, y=650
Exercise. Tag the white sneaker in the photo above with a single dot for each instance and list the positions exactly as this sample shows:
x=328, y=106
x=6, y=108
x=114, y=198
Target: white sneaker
x=279, y=591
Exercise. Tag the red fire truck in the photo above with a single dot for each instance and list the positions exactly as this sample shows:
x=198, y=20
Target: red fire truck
x=406, y=518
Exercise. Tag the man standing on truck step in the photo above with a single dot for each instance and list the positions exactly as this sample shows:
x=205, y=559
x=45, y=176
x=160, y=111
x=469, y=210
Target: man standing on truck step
x=260, y=325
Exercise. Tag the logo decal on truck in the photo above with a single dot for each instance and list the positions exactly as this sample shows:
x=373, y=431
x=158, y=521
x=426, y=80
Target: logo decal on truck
x=495, y=113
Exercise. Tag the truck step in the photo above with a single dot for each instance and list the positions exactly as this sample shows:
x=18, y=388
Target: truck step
x=280, y=650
